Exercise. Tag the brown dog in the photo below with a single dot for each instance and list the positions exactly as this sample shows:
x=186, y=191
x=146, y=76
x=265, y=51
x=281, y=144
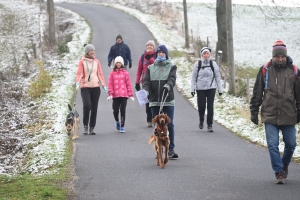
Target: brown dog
x=72, y=123
x=161, y=138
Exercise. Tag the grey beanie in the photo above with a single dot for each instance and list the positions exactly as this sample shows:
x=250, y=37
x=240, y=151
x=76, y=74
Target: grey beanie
x=151, y=42
x=88, y=48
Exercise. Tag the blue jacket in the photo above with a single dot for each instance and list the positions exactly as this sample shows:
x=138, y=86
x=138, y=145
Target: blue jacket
x=120, y=50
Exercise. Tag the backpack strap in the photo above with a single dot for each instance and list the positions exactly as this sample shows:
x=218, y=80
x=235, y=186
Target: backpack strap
x=142, y=58
x=213, y=70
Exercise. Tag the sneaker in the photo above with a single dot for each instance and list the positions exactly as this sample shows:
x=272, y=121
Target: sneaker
x=122, y=130
x=280, y=176
x=150, y=125
x=92, y=132
x=201, y=125
x=172, y=154
x=209, y=128
x=118, y=125
x=286, y=170
x=85, y=130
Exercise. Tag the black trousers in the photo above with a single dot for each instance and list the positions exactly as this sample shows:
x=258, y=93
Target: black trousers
x=206, y=97
x=90, y=99
x=149, y=114
x=119, y=104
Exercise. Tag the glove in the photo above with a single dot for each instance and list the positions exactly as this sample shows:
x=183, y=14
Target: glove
x=193, y=94
x=130, y=65
x=148, y=56
x=105, y=89
x=109, y=64
x=220, y=94
x=77, y=85
x=109, y=98
x=137, y=87
x=254, y=118
x=298, y=118
x=131, y=98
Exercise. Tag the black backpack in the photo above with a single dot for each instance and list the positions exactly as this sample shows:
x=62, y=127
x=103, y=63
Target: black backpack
x=210, y=65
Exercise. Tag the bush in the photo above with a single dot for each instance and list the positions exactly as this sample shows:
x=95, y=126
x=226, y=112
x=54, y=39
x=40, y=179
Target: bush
x=42, y=84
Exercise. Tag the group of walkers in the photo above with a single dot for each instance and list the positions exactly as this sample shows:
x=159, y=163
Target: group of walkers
x=276, y=90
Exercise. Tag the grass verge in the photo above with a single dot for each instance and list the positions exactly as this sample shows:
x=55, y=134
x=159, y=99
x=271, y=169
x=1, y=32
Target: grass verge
x=56, y=185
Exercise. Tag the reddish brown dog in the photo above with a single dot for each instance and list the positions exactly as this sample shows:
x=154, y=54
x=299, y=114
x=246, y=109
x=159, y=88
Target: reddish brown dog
x=161, y=138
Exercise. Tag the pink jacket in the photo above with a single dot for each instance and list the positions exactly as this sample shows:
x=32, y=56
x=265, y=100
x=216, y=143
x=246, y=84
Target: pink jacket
x=119, y=84
x=84, y=69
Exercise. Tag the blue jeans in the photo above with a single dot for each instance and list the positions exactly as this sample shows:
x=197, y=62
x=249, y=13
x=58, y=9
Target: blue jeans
x=289, y=139
x=169, y=110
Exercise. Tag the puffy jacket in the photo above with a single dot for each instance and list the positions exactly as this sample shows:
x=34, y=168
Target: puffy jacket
x=119, y=49
x=119, y=84
x=157, y=75
x=280, y=102
x=205, y=79
x=143, y=66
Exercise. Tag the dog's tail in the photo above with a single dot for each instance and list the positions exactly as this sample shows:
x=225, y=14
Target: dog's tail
x=70, y=108
x=152, y=139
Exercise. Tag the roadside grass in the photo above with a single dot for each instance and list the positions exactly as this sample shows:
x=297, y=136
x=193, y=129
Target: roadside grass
x=55, y=185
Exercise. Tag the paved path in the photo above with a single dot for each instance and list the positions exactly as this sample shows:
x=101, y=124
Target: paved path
x=121, y=166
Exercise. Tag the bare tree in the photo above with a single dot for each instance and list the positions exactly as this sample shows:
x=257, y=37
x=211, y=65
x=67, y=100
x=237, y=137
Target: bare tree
x=222, y=31
x=50, y=9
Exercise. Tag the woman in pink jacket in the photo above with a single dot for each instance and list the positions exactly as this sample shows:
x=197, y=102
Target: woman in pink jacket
x=89, y=77
x=146, y=59
x=119, y=90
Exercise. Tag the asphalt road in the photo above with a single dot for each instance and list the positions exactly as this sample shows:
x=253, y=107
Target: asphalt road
x=121, y=166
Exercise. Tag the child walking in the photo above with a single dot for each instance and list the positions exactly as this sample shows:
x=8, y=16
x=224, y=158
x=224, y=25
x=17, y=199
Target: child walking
x=119, y=90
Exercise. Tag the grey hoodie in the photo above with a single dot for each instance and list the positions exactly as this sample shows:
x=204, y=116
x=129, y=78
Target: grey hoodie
x=205, y=77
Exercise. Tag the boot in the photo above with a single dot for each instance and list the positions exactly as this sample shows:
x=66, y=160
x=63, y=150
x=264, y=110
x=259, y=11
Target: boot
x=201, y=124
x=92, y=132
x=209, y=128
x=85, y=130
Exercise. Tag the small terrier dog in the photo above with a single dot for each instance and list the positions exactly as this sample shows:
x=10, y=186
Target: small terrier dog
x=161, y=139
x=72, y=123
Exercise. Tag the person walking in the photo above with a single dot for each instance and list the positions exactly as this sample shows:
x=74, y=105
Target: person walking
x=159, y=82
x=119, y=49
x=277, y=91
x=119, y=90
x=89, y=77
x=205, y=79
x=146, y=59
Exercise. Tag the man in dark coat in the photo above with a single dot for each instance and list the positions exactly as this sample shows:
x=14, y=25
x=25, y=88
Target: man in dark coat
x=119, y=49
x=277, y=91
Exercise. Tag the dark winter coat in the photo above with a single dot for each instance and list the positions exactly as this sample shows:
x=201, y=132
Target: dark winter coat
x=280, y=102
x=157, y=75
x=119, y=49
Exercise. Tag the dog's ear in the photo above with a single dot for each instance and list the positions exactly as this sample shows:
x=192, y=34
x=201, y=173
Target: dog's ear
x=168, y=120
x=70, y=108
x=155, y=119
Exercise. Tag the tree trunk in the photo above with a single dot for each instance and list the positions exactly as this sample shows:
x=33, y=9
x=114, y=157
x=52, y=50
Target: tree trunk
x=222, y=30
x=50, y=9
x=186, y=26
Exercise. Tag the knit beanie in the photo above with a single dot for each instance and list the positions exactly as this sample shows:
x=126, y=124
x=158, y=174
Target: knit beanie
x=119, y=36
x=151, y=42
x=119, y=59
x=279, y=48
x=88, y=48
x=204, y=49
x=162, y=48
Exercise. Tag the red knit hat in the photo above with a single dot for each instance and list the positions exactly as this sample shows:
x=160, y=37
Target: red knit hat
x=279, y=48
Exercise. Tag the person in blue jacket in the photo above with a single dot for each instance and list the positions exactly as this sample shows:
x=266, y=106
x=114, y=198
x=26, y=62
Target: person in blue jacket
x=119, y=49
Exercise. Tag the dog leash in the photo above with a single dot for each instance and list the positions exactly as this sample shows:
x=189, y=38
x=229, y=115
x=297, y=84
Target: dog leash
x=163, y=102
